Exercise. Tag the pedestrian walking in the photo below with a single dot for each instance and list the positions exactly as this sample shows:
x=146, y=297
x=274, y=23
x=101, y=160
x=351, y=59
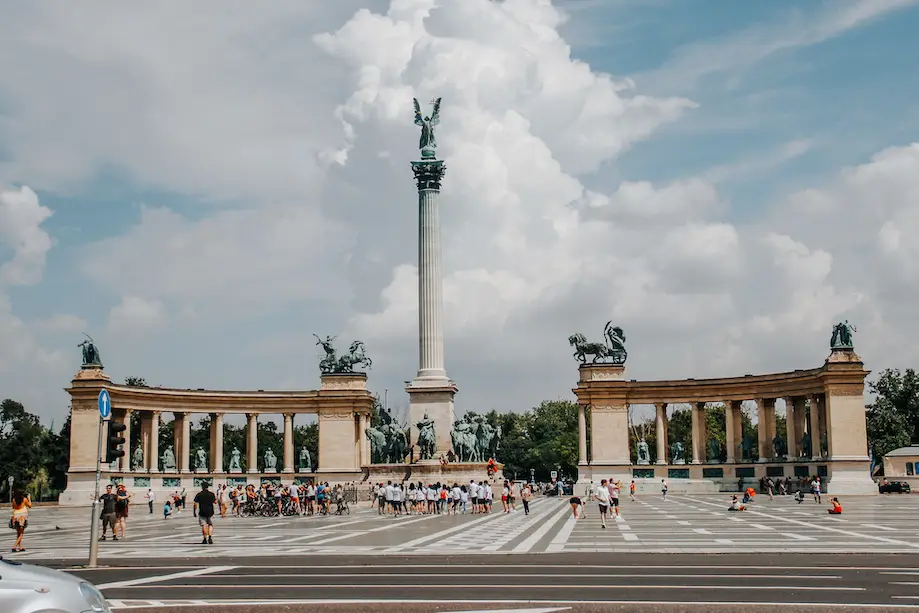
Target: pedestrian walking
x=632, y=491
x=203, y=509
x=19, y=520
x=603, y=500
x=664, y=489
x=525, y=496
x=151, y=498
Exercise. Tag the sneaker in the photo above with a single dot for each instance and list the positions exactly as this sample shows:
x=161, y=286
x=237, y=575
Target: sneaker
x=114, y=538
x=204, y=541
x=102, y=538
x=210, y=541
x=603, y=526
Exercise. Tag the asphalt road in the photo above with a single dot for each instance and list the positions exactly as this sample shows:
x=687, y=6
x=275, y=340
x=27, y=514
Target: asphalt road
x=535, y=582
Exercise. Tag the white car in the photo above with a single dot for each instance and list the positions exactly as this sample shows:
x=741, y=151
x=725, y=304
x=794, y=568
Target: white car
x=25, y=588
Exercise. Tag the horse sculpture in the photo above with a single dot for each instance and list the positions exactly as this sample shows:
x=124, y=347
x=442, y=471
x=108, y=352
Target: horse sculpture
x=377, y=445
x=612, y=350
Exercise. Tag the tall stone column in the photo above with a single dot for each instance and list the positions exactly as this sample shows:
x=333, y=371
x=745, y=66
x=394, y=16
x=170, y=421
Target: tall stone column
x=431, y=392
x=814, y=431
x=790, y=429
x=770, y=427
x=217, y=442
x=660, y=425
x=800, y=423
x=762, y=430
x=697, y=443
x=288, y=443
x=252, y=443
x=582, y=436
x=730, y=444
x=154, y=452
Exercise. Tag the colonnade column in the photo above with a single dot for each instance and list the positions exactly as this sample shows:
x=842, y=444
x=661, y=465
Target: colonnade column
x=762, y=431
x=729, y=443
x=288, y=443
x=800, y=424
x=661, y=432
x=217, y=442
x=790, y=430
x=252, y=443
x=182, y=436
x=770, y=426
x=814, y=430
x=582, y=436
x=696, y=433
x=153, y=459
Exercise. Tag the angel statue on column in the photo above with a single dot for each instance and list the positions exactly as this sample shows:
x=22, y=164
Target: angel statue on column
x=428, y=142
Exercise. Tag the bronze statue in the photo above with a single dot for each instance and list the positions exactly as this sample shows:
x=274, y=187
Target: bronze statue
x=91, y=355
x=613, y=350
x=842, y=335
x=427, y=143
x=331, y=363
x=427, y=441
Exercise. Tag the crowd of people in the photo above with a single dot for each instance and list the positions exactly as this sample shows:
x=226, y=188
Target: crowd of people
x=444, y=499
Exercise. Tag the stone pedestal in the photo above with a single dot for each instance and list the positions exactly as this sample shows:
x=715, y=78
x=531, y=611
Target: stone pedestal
x=434, y=399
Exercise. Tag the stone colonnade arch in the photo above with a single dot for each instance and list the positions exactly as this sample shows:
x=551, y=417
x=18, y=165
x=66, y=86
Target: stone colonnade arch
x=342, y=404
x=825, y=405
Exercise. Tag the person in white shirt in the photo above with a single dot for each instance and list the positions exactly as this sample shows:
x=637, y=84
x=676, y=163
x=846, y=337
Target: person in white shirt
x=614, y=489
x=387, y=495
x=489, y=497
x=474, y=495
x=431, y=495
x=457, y=496
x=151, y=498
x=603, y=499
x=397, y=499
x=464, y=498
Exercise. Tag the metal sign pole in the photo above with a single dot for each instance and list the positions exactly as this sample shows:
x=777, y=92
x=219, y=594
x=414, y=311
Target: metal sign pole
x=94, y=529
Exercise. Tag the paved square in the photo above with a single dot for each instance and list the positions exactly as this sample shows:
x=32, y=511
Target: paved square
x=679, y=524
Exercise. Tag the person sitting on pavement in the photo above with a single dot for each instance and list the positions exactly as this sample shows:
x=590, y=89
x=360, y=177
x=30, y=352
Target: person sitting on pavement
x=837, y=508
x=799, y=497
x=735, y=504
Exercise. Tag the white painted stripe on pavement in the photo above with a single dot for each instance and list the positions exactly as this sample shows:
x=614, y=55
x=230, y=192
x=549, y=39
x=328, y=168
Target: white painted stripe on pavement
x=143, y=581
x=877, y=527
x=439, y=535
x=797, y=537
x=540, y=532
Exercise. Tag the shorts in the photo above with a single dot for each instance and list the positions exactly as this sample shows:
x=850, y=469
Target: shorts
x=205, y=520
x=603, y=509
x=108, y=519
x=504, y=498
x=614, y=502
x=574, y=500
x=475, y=500
x=511, y=499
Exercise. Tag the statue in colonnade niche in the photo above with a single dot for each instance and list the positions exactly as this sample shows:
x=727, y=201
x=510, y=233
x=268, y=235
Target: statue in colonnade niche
x=677, y=453
x=200, y=459
x=779, y=448
x=169, y=460
x=746, y=449
x=235, y=466
x=137, y=459
x=807, y=445
x=271, y=462
x=643, y=452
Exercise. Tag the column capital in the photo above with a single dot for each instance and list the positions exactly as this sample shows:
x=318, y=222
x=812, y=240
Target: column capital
x=252, y=416
x=288, y=416
x=429, y=174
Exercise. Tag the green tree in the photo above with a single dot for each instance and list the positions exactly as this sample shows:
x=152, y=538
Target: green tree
x=893, y=417
x=553, y=439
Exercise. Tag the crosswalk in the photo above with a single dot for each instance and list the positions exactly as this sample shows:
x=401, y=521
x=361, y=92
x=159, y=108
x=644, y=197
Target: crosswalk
x=678, y=524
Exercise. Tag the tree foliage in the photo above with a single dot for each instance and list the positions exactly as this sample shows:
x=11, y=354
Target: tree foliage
x=35, y=456
x=893, y=417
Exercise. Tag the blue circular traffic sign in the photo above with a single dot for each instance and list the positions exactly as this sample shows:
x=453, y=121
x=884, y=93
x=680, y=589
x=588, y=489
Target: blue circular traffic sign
x=105, y=404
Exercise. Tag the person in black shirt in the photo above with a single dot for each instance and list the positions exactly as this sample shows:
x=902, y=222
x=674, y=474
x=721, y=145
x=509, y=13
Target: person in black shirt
x=204, y=511
x=108, y=500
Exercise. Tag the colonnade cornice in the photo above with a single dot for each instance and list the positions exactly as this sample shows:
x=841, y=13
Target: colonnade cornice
x=796, y=383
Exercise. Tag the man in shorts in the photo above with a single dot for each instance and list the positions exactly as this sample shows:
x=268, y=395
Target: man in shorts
x=204, y=511
x=108, y=500
x=614, y=489
x=603, y=499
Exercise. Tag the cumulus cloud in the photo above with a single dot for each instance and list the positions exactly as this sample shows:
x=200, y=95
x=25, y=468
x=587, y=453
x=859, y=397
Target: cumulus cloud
x=21, y=217
x=281, y=141
x=136, y=315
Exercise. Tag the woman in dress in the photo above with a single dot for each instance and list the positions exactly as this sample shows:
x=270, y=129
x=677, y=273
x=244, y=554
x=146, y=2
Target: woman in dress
x=20, y=518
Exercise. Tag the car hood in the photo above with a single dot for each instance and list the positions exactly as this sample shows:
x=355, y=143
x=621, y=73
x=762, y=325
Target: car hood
x=27, y=573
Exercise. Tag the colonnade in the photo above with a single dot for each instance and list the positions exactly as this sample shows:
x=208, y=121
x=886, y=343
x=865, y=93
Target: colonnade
x=150, y=438
x=804, y=416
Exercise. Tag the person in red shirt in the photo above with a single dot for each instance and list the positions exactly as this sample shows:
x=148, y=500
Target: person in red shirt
x=837, y=508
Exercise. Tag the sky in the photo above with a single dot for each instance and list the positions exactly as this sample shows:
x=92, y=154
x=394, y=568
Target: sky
x=202, y=187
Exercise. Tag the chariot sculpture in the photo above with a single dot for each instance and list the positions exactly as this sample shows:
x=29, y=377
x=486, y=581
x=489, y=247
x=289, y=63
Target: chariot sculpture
x=612, y=350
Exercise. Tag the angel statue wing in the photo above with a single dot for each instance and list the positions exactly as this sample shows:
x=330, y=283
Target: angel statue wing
x=419, y=120
x=435, y=116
